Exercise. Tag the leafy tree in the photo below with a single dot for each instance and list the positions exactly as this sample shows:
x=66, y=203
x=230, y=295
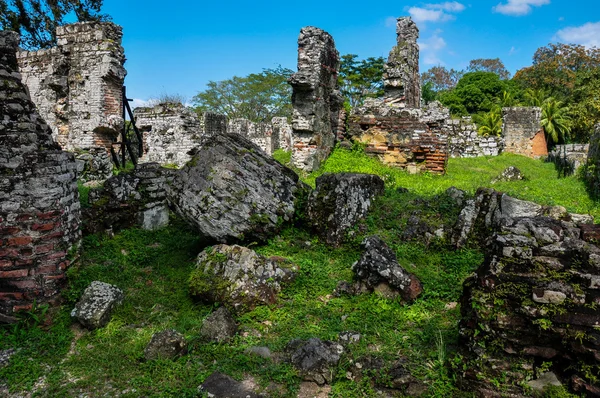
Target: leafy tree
x=490, y=123
x=257, y=97
x=489, y=65
x=475, y=92
x=556, y=66
x=535, y=97
x=360, y=79
x=440, y=78
x=555, y=120
x=36, y=20
x=585, y=104
x=427, y=93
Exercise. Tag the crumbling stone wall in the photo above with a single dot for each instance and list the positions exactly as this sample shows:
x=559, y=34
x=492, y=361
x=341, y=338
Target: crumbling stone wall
x=316, y=99
x=77, y=85
x=569, y=157
x=282, y=134
x=592, y=165
x=401, y=137
x=523, y=133
x=401, y=78
x=39, y=201
x=465, y=142
x=169, y=132
x=259, y=133
x=532, y=306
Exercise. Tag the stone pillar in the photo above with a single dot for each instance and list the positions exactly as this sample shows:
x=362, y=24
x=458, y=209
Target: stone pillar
x=77, y=84
x=401, y=78
x=316, y=99
x=282, y=134
x=523, y=132
x=39, y=201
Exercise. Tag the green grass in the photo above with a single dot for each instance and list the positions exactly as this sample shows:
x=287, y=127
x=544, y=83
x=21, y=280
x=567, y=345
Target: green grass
x=153, y=268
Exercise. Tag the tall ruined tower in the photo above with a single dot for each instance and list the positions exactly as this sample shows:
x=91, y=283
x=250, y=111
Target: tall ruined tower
x=316, y=98
x=401, y=79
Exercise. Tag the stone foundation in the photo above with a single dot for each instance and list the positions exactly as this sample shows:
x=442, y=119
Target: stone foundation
x=523, y=133
x=77, y=85
x=406, y=138
x=39, y=201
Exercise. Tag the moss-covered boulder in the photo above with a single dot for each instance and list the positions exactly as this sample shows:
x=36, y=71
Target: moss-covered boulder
x=238, y=277
x=232, y=191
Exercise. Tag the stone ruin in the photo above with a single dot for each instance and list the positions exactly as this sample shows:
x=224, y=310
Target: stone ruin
x=523, y=132
x=316, y=99
x=77, y=85
x=401, y=77
x=171, y=132
x=39, y=201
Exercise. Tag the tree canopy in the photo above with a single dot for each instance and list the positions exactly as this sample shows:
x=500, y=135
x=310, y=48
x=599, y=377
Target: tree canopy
x=360, y=79
x=36, y=20
x=257, y=97
x=489, y=65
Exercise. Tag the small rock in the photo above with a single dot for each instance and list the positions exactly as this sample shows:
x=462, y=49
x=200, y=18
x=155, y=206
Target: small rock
x=168, y=344
x=263, y=352
x=5, y=356
x=219, y=385
x=545, y=380
x=344, y=288
x=511, y=173
x=458, y=195
x=378, y=265
x=315, y=359
x=96, y=305
x=219, y=326
x=347, y=338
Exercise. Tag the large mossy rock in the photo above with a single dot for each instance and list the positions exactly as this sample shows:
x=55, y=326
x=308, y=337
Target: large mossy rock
x=339, y=201
x=238, y=277
x=95, y=307
x=232, y=191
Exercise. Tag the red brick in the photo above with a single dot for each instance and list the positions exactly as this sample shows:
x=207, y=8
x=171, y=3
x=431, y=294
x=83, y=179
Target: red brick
x=49, y=215
x=56, y=255
x=9, y=230
x=64, y=265
x=24, y=262
x=41, y=249
x=26, y=284
x=6, y=263
x=18, y=273
x=45, y=269
x=9, y=253
x=11, y=296
x=54, y=277
x=44, y=227
x=23, y=307
x=24, y=217
x=20, y=241
x=56, y=234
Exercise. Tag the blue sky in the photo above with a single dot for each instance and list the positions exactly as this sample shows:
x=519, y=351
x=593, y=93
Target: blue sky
x=177, y=47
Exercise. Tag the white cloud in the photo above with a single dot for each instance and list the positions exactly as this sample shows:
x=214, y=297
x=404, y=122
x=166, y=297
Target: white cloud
x=439, y=12
x=587, y=35
x=518, y=8
x=513, y=50
x=431, y=47
x=449, y=6
x=139, y=103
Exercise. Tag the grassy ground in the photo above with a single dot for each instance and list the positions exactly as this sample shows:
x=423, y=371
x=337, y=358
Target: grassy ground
x=57, y=358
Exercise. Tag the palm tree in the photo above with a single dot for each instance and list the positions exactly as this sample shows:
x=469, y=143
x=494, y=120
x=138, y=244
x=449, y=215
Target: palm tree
x=555, y=120
x=535, y=97
x=490, y=123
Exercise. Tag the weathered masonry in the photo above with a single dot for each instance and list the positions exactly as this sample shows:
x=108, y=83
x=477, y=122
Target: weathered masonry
x=316, y=99
x=39, y=201
x=77, y=85
x=523, y=132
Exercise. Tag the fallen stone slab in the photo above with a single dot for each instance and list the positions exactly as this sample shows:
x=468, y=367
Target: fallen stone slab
x=219, y=326
x=168, y=344
x=95, y=307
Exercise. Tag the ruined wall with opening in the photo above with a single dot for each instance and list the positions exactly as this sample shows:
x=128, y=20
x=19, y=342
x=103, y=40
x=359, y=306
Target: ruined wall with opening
x=316, y=99
x=465, y=142
x=523, y=132
x=77, y=85
x=39, y=201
